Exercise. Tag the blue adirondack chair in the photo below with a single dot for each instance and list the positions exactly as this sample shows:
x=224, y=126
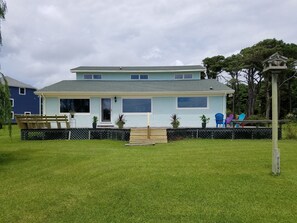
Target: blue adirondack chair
x=241, y=117
x=219, y=120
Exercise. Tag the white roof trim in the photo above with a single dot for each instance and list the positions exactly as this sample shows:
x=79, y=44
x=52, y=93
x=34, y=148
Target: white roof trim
x=134, y=71
x=161, y=94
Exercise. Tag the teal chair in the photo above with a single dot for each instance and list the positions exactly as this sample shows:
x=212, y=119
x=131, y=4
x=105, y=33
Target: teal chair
x=241, y=117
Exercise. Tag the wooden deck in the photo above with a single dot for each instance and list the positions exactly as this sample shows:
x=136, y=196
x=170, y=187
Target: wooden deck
x=42, y=121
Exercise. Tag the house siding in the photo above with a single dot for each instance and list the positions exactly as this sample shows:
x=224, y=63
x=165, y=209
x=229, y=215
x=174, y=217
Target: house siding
x=152, y=76
x=24, y=103
x=162, y=109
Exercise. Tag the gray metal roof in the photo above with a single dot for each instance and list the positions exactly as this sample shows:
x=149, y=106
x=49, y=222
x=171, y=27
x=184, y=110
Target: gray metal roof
x=137, y=68
x=135, y=86
x=15, y=83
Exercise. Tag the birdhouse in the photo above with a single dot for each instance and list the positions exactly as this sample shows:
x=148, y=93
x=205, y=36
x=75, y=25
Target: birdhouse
x=275, y=62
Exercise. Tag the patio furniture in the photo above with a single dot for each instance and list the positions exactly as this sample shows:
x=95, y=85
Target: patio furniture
x=219, y=120
x=229, y=120
x=241, y=117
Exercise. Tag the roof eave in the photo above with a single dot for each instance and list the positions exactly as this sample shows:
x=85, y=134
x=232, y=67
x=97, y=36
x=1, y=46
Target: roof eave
x=113, y=93
x=134, y=71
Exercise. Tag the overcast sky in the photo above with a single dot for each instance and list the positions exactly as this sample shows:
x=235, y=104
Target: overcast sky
x=43, y=40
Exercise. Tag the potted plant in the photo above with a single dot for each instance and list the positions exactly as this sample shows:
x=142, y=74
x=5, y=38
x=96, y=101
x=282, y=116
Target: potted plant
x=175, y=121
x=121, y=121
x=72, y=113
x=95, y=120
x=204, y=120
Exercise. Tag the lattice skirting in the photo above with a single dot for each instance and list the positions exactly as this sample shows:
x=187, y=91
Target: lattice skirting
x=221, y=133
x=124, y=134
x=75, y=134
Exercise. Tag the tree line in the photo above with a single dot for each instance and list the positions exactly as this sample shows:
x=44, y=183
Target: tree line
x=243, y=72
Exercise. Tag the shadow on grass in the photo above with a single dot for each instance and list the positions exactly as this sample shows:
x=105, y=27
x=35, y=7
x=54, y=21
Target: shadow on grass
x=9, y=157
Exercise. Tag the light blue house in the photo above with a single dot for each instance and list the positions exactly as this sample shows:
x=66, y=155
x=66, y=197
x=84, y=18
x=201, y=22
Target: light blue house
x=145, y=95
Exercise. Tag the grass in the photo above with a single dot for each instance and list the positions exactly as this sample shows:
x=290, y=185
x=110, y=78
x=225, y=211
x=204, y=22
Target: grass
x=183, y=181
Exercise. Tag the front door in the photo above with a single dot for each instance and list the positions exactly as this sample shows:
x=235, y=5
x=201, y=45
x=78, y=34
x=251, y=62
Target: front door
x=105, y=110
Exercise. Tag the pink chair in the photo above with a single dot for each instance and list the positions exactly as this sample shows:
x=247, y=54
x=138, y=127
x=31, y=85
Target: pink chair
x=229, y=120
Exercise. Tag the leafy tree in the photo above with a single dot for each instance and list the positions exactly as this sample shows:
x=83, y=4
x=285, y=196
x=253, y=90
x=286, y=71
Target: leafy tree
x=214, y=66
x=233, y=66
x=253, y=59
x=246, y=68
x=5, y=105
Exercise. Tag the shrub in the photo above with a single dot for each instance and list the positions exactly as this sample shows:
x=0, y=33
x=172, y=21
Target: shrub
x=290, y=130
x=175, y=121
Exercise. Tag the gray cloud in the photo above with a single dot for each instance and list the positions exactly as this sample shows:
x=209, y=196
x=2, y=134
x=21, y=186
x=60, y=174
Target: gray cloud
x=42, y=40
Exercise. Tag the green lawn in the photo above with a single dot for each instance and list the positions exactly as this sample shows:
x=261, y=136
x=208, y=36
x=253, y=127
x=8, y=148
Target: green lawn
x=183, y=181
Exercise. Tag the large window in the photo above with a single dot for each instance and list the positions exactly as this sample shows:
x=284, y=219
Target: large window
x=137, y=105
x=192, y=102
x=76, y=105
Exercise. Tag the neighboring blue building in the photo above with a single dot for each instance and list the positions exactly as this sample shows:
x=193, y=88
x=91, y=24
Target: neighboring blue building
x=22, y=97
x=145, y=95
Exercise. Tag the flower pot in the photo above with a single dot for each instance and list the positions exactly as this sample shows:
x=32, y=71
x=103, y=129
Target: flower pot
x=175, y=125
x=94, y=125
x=120, y=125
x=203, y=125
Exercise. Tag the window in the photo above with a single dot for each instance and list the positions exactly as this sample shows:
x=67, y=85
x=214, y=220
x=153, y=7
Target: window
x=92, y=76
x=88, y=76
x=134, y=77
x=192, y=102
x=179, y=76
x=183, y=76
x=22, y=91
x=188, y=76
x=96, y=76
x=143, y=76
x=137, y=105
x=139, y=76
x=12, y=102
x=76, y=105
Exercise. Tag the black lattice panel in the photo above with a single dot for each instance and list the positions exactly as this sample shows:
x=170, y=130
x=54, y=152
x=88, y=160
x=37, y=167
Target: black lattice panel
x=44, y=134
x=221, y=133
x=75, y=134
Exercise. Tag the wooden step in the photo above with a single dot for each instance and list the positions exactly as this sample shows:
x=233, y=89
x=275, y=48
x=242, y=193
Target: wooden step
x=148, y=136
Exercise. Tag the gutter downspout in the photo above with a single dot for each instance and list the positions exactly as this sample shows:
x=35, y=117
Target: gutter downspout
x=43, y=103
